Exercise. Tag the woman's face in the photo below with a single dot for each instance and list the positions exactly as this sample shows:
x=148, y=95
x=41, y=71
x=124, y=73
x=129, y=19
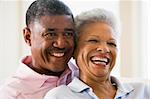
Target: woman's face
x=96, y=50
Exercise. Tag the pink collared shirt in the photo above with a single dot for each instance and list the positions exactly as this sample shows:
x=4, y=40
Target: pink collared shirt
x=27, y=84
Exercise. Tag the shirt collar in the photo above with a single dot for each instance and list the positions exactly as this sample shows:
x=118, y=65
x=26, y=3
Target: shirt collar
x=122, y=88
x=77, y=85
x=30, y=77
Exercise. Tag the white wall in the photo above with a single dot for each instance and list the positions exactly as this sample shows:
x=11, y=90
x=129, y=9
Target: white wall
x=148, y=40
x=134, y=52
x=9, y=37
x=12, y=46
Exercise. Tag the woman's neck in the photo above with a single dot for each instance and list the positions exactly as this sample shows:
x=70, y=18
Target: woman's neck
x=104, y=90
x=102, y=87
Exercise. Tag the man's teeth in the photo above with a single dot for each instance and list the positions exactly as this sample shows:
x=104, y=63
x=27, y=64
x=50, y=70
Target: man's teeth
x=58, y=54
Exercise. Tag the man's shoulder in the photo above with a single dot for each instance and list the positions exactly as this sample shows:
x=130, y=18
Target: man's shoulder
x=11, y=88
x=11, y=83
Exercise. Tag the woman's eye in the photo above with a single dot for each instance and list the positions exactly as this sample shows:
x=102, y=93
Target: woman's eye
x=93, y=41
x=112, y=44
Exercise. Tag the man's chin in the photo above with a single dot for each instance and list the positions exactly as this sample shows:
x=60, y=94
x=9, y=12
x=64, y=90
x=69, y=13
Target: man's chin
x=57, y=73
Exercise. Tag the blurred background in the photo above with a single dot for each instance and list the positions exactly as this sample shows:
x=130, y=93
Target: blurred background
x=134, y=56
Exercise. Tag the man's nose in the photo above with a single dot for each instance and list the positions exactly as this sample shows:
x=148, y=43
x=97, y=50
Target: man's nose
x=59, y=42
x=103, y=48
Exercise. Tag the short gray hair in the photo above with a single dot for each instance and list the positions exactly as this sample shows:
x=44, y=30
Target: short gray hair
x=98, y=15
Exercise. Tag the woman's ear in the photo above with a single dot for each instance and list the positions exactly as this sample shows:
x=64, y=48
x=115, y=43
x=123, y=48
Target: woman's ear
x=27, y=35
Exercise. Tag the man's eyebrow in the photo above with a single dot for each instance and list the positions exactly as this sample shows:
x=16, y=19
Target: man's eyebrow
x=66, y=29
x=69, y=29
x=51, y=29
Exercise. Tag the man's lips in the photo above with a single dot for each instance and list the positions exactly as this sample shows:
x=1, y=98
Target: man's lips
x=58, y=54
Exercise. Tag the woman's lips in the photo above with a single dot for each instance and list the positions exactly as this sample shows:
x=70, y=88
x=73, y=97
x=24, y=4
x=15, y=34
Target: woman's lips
x=99, y=60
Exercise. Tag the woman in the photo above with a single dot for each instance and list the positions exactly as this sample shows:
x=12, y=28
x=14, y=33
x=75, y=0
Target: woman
x=95, y=56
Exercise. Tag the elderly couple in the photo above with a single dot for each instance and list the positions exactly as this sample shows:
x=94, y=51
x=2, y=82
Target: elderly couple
x=54, y=37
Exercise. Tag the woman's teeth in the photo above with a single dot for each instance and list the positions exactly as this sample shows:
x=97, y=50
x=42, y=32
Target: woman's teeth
x=99, y=60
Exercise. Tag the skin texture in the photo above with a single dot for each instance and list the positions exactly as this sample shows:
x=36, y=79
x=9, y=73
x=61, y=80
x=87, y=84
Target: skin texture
x=97, y=43
x=51, y=39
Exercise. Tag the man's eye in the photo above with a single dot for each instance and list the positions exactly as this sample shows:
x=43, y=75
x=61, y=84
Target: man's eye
x=68, y=34
x=50, y=34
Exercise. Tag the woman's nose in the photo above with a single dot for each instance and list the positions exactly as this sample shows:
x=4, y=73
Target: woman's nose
x=103, y=48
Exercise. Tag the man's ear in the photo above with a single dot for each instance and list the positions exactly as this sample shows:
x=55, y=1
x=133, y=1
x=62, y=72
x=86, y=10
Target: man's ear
x=27, y=35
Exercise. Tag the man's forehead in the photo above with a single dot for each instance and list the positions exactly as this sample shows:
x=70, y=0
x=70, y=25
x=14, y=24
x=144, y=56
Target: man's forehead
x=55, y=20
x=56, y=17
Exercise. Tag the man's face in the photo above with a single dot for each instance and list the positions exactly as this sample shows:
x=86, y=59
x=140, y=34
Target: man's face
x=52, y=42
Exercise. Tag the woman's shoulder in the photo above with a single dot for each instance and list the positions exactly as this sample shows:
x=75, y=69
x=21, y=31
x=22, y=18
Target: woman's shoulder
x=137, y=84
x=135, y=81
x=58, y=92
x=59, y=89
x=133, y=87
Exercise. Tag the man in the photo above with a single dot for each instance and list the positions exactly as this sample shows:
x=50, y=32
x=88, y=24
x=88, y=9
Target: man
x=50, y=33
